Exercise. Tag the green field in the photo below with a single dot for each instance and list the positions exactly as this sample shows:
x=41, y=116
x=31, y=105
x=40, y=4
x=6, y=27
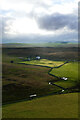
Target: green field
x=66, y=84
x=70, y=71
x=57, y=106
x=44, y=62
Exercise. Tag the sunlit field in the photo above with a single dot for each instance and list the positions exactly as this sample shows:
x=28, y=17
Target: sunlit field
x=69, y=71
x=44, y=62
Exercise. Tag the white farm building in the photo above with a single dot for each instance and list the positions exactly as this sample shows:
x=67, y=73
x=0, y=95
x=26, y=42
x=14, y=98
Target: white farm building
x=38, y=57
x=64, y=78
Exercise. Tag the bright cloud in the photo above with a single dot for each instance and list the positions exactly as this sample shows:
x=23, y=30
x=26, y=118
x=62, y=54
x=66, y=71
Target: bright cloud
x=24, y=26
x=25, y=17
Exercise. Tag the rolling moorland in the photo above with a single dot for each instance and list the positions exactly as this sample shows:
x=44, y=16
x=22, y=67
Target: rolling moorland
x=22, y=78
x=50, y=44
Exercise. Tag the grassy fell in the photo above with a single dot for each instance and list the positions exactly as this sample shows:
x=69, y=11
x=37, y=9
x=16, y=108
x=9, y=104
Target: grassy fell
x=23, y=80
x=57, y=106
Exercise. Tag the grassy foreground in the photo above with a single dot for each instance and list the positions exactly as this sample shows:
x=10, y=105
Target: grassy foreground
x=57, y=106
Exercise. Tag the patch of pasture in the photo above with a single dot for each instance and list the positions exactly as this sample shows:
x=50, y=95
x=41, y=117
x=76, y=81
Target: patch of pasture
x=69, y=70
x=43, y=62
x=66, y=84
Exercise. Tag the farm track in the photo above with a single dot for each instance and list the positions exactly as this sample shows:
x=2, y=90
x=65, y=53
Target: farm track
x=54, y=93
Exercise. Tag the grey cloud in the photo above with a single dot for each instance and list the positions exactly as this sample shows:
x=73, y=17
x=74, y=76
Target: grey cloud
x=57, y=21
x=0, y=26
x=3, y=24
x=5, y=27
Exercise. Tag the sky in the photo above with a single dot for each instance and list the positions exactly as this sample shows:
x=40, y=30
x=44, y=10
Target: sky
x=35, y=21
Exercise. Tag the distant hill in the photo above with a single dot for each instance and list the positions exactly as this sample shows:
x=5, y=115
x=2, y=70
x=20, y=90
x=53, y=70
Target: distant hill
x=63, y=42
x=50, y=44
